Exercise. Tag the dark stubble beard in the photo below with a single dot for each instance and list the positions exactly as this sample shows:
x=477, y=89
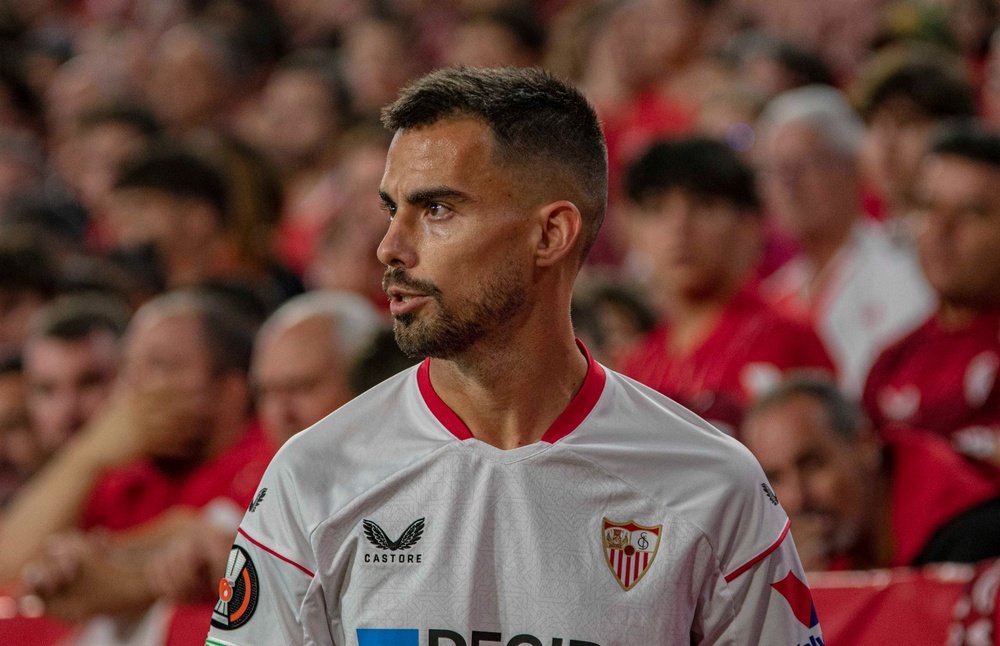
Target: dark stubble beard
x=451, y=330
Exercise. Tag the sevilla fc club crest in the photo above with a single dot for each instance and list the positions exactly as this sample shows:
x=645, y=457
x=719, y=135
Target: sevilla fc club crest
x=629, y=549
x=238, y=592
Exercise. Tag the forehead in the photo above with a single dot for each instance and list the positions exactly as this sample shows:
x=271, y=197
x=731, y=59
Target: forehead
x=177, y=330
x=95, y=348
x=794, y=137
x=958, y=175
x=455, y=149
x=308, y=344
x=788, y=426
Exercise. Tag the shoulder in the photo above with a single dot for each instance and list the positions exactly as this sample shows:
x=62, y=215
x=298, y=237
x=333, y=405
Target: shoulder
x=379, y=433
x=696, y=471
x=903, y=347
x=647, y=437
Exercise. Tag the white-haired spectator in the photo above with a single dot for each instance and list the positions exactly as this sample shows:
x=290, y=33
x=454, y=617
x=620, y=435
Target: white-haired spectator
x=303, y=356
x=858, y=289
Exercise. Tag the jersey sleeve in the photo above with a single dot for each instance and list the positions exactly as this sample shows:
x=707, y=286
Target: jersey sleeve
x=757, y=593
x=270, y=571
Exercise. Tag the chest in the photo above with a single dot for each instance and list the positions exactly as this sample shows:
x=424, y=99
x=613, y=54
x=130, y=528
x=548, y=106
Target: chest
x=516, y=553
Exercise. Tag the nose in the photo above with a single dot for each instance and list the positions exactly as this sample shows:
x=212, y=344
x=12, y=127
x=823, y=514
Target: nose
x=397, y=247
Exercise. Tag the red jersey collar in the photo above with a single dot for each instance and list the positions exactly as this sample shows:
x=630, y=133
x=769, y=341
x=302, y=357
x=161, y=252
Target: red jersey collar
x=574, y=414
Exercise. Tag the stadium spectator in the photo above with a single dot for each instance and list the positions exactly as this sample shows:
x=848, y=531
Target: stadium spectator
x=301, y=114
x=378, y=59
x=505, y=36
x=307, y=362
x=344, y=254
x=303, y=356
x=611, y=318
x=71, y=360
x=20, y=452
x=174, y=209
x=29, y=277
x=858, y=290
x=858, y=500
x=177, y=435
x=904, y=93
x=198, y=57
x=697, y=224
x=942, y=377
x=95, y=152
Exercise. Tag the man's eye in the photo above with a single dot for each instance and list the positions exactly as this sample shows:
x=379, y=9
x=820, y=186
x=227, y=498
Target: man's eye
x=437, y=210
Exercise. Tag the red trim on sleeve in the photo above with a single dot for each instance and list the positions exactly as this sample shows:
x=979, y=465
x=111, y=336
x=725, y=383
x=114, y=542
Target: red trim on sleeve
x=273, y=553
x=577, y=410
x=760, y=557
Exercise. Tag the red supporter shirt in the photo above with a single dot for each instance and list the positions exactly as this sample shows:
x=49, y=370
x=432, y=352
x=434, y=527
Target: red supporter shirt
x=943, y=381
x=130, y=496
x=744, y=355
x=930, y=485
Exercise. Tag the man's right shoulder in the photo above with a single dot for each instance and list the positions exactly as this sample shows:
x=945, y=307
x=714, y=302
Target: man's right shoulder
x=380, y=432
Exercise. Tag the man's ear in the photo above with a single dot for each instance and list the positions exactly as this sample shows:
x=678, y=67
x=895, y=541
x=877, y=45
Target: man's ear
x=561, y=225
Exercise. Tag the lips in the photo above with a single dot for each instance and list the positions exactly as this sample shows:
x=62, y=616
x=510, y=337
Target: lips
x=402, y=301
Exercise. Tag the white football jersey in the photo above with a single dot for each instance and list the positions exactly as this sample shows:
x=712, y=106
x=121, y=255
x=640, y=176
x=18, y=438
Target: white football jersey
x=632, y=522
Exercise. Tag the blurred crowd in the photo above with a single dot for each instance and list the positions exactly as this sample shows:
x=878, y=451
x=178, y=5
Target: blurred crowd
x=802, y=245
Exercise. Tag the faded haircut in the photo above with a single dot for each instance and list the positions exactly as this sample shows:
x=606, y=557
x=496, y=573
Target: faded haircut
x=543, y=127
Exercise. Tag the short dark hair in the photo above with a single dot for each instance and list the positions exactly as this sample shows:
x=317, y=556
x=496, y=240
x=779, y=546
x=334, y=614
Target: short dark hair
x=228, y=330
x=938, y=89
x=132, y=115
x=541, y=125
x=72, y=317
x=967, y=139
x=844, y=414
x=700, y=165
x=179, y=173
x=27, y=265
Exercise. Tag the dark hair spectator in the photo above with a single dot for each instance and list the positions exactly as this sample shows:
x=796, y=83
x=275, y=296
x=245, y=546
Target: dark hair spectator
x=703, y=166
x=178, y=173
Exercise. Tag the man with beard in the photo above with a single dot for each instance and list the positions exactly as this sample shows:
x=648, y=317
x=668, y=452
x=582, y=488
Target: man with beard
x=508, y=489
x=858, y=500
x=175, y=445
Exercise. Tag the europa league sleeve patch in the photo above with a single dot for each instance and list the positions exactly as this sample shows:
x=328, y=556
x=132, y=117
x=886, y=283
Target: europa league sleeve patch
x=238, y=592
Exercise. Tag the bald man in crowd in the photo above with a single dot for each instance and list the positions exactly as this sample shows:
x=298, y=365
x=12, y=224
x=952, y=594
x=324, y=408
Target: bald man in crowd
x=303, y=355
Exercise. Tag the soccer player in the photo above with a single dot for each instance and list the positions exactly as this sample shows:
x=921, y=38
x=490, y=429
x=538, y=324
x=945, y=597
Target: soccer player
x=942, y=377
x=508, y=489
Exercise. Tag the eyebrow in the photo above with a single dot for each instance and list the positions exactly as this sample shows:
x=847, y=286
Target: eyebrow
x=426, y=195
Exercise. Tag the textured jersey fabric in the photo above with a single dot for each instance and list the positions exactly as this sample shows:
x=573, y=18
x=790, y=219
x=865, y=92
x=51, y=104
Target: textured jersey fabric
x=632, y=521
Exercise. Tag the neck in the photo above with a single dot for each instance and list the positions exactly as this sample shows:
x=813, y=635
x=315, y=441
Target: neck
x=877, y=547
x=821, y=248
x=692, y=317
x=509, y=390
x=953, y=315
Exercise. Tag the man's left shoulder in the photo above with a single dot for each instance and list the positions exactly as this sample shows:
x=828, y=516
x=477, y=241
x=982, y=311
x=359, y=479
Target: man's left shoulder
x=649, y=438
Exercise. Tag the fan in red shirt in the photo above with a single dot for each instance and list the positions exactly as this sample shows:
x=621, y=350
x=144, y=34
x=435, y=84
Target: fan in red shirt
x=943, y=376
x=175, y=447
x=857, y=500
x=697, y=225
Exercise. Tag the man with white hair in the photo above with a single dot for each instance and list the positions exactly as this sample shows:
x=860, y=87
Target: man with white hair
x=857, y=288
x=302, y=357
